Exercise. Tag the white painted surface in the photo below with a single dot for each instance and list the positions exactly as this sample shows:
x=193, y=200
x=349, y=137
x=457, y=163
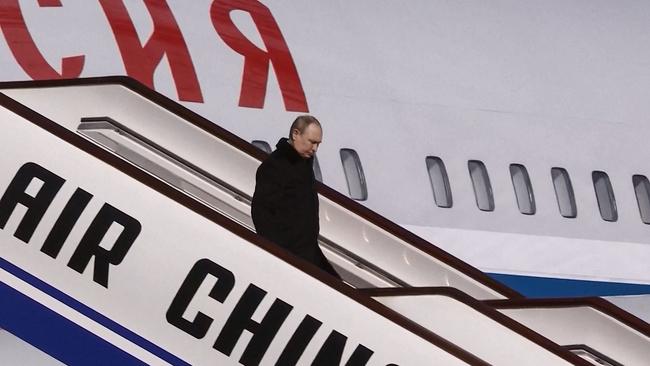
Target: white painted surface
x=172, y=240
x=479, y=334
x=638, y=305
x=585, y=325
x=16, y=352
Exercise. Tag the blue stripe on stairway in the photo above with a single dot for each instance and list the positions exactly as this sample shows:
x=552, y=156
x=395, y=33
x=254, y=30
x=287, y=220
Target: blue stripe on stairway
x=56, y=335
x=60, y=337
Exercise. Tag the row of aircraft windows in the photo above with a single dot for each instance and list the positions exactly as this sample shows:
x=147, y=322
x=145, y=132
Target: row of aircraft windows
x=523, y=190
x=522, y=186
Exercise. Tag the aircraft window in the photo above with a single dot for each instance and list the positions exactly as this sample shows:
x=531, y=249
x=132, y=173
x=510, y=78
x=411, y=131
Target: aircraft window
x=523, y=189
x=605, y=196
x=642, y=190
x=317, y=173
x=482, y=188
x=566, y=201
x=439, y=181
x=262, y=145
x=354, y=174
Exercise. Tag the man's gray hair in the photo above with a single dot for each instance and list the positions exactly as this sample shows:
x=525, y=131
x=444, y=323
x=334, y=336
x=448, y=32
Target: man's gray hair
x=301, y=124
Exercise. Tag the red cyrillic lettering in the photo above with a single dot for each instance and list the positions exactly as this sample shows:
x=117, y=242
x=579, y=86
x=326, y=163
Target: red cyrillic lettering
x=25, y=50
x=141, y=61
x=256, y=61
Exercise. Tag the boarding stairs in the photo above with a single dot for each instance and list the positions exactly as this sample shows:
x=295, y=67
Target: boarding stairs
x=128, y=229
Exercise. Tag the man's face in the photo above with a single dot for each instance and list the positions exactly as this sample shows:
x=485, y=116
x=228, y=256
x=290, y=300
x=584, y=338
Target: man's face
x=306, y=143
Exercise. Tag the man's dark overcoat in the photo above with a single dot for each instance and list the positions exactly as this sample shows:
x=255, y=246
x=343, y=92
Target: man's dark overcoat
x=285, y=204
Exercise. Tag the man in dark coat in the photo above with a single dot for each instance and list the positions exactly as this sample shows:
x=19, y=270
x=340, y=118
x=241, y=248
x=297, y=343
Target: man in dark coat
x=285, y=202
